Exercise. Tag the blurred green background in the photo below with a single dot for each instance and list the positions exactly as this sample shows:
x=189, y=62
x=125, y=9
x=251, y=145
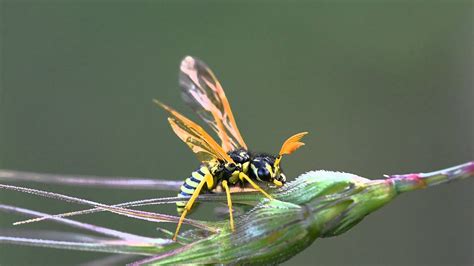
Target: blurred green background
x=383, y=88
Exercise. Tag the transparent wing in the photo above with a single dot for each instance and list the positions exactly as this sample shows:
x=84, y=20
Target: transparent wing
x=202, y=91
x=205, y=147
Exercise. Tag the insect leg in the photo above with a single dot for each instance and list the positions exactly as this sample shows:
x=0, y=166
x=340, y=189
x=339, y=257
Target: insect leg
x=277, y=183
x=207, y=179
x=245, y=177
x=229, y=203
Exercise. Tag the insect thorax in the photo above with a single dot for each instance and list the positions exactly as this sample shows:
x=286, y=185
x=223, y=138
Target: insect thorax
x=240, y=156
x=257, y=166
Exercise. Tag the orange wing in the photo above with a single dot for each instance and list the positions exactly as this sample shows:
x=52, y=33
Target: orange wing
x=202, y=91
x=195, y=137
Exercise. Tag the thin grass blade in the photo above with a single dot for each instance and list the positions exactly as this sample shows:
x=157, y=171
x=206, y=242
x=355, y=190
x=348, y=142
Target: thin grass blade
x=88, y=227
x=240, y=197
x=108, y=246
x=143, y=215
x=90, y=181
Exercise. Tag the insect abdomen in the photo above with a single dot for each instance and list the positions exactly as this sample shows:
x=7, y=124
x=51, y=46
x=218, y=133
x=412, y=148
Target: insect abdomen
x=188, y=188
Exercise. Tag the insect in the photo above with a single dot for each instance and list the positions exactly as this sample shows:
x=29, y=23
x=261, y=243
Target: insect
x=227, y=164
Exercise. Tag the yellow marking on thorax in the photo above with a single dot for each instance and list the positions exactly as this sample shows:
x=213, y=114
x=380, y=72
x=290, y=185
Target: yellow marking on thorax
x=234, y=178
x=245, y=167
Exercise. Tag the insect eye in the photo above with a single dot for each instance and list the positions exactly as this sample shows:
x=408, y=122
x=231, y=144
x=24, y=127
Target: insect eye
x=263, y=172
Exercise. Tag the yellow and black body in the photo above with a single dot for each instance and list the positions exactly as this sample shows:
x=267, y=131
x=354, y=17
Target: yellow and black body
x=259, y=167
x=228, y=163
x=243, y=171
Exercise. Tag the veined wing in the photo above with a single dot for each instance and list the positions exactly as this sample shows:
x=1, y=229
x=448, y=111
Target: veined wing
x=202, y=91
x=195, y=137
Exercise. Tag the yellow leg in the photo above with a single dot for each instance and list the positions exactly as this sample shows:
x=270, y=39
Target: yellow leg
x=229, y=203
x=277, y=183
x=245, y=177
x=181, y=219
x=190, y=202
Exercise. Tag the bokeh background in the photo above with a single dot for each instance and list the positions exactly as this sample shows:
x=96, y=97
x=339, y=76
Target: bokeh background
x=383, y=88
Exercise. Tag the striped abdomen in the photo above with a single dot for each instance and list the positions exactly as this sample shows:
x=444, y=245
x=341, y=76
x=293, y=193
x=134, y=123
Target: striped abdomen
x=189, y=186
